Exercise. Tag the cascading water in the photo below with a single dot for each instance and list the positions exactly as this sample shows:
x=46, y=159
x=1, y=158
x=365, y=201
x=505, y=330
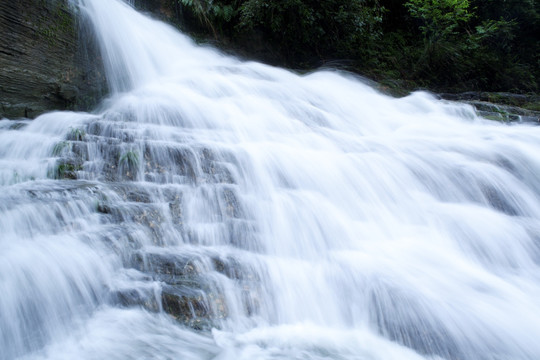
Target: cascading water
x=218, y=209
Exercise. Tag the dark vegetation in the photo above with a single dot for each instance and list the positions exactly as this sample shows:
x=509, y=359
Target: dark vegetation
x=442, y=45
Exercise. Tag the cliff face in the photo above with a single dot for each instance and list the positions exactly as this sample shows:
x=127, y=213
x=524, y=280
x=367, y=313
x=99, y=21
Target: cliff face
x=45, y=64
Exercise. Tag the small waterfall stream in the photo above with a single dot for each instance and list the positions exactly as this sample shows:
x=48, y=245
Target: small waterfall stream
x=219, y=209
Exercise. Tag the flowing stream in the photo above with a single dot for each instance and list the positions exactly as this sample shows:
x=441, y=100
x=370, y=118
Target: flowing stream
x=218, y=209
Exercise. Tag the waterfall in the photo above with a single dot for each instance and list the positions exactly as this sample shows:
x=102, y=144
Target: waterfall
x=213, y=208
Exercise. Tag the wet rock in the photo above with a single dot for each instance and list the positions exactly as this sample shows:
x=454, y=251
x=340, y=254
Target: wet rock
x=148, y=215
x=80, y=150
x=505, y=107
x=245, y=277
x=103, y=208
x=170, y=265
x=243, y=235
x=502, y=98
x=188, y=306
x=230, y=204
x=404, y=327
x=136, y=297
x=132, y=193
x=216, y=171
x=505, y=113
x=188, y=293
x=184, y=302
x=17, y=125
x=176, y=212
x=230, y=267
x=72, y=153
x=163, y=161
x=44, y=63
x=67, y=169
x=68, y=92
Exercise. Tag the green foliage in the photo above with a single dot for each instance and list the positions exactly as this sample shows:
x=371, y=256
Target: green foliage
x=442, y=24
x=59, y=148
x=66, y=170
x=129, y=162
x=440, y=18
x=449, y=45
x=303, y=28
x=510, y=52
x=299, y=29
x=534, y=106
x=130, y=158
x=76, y=135
x=212, y=14
x=462, y=49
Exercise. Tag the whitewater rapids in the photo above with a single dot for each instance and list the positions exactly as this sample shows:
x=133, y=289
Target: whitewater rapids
x=352, y=225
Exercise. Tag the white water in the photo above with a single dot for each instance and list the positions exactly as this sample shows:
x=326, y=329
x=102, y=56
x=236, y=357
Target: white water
x=321, y=219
